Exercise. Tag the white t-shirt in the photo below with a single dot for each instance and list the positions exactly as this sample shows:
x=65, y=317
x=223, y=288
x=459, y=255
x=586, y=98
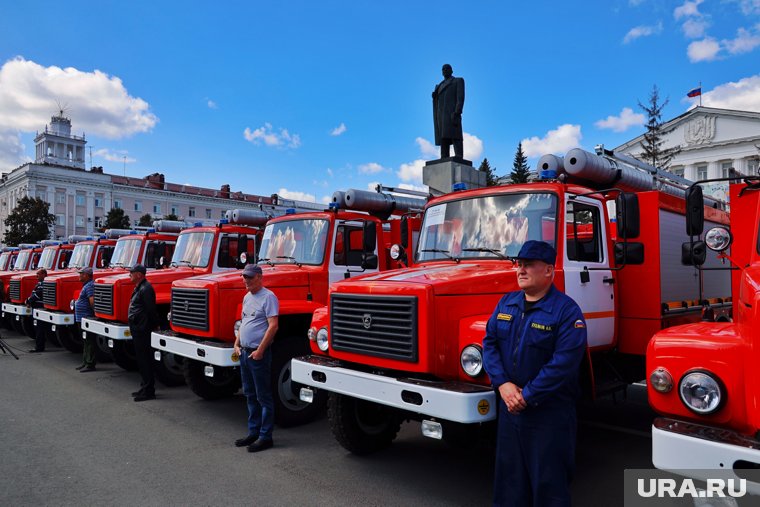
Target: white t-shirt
x=257, y=308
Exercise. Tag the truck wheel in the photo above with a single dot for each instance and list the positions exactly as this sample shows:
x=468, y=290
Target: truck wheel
x=68, y=338
x=27, y=324
x=52, y=338
x=289, y=410
x=361, y=427
x=123, y=354
x=102, y=352
x=168, y=371
x=224, y=383
x=16, y=325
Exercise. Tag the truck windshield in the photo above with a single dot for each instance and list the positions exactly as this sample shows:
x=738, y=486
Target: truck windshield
x=193, y=249
x=489, y=227
x=81, y=256
x=48, y=256
x=4, y=260
x=125, y=253
x=22, y=260
x=294, y=241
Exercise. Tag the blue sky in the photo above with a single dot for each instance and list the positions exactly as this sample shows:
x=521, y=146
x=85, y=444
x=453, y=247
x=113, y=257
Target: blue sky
x=304, y=98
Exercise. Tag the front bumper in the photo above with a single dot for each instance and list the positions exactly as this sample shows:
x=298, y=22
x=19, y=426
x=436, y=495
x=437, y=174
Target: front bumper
x=17, y=310
x=450, y=401
x=698, y=451
x=55, y=318
x=107, y=328
x=215, y=353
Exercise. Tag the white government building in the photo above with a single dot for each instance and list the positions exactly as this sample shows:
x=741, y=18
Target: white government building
x=80, y=199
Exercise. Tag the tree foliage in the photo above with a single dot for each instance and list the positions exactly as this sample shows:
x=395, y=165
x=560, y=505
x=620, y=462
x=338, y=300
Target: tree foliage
x=116, y=219
x=170, y=216
x=654, y=154
x=146, y=220
x=485, y=167
x=29, y=222
x=520, y=168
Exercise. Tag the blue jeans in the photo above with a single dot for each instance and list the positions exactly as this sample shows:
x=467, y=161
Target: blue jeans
x=256, y=377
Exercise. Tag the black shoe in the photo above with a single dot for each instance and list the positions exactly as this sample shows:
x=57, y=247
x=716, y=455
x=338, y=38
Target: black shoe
x=80, y=367
x=260, y=445
x=243, y=442
x=145, y=397
x=87, y=369
x=137, y=393
x=34, y=351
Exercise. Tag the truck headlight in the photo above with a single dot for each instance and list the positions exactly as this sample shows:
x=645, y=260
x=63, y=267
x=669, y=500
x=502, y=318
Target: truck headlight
x=701, y=392
x=72, y=304
x=718, y=239
x=168, y=316
x=661, y=380
x=471, y=360
x=322, y=342
x=312, y=334
x=236, y=328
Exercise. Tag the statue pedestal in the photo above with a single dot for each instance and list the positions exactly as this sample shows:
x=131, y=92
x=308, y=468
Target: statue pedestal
x=440, y=175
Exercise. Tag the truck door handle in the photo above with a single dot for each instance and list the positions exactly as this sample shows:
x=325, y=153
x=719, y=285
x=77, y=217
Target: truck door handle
x=608, y=280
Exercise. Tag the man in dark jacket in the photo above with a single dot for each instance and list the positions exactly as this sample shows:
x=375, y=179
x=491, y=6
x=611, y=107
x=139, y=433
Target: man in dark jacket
x=142, y=320
x=35, y=301
x=448, y=102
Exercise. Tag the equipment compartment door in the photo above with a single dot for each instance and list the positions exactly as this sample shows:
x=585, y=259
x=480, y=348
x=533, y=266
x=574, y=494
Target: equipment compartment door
x=588, y=279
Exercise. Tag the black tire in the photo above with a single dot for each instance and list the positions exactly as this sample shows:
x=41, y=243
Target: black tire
x=289, y=410
x=102, y=352
x=69, y=338
x=27, y=324
x=123, y=354
x=16, y=325
x=224, y=383
x=362, y=427
x=169, y=371
x=50, y=335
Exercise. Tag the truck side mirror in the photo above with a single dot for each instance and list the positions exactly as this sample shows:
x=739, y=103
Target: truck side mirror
x=695, y=211
x=404, y=228
x=242, y=245
x=627, y=215
x=693, y=253
x=369, y=261
x=629, y=253
x=370, y=237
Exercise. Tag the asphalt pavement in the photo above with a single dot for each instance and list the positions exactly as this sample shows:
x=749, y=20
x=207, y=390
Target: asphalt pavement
x=70, y=438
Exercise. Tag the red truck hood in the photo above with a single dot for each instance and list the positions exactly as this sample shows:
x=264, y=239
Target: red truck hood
x=274, y=276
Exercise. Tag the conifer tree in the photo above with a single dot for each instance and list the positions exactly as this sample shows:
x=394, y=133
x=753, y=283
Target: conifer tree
x=520, y=168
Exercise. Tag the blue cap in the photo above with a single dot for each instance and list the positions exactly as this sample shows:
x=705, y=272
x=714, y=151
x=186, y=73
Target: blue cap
x=252, y=270
x=538, y=251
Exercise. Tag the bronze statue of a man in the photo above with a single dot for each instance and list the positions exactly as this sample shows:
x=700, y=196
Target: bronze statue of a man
x=448, y=101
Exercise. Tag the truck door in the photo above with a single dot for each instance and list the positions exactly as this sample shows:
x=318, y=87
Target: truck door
x=348, y=247
x=588, y=279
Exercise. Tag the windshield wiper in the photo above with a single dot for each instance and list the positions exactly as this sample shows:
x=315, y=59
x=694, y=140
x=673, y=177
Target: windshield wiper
x=489, y=250
x=444, y=252
x=290, y=259
x=267, y=260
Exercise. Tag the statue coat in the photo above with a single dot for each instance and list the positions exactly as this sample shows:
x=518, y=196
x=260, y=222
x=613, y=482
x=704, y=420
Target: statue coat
x=448, y=98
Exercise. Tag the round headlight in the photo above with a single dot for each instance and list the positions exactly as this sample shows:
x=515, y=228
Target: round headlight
x=236, y=328
x=661, y=380
x=322, y=339
x=471, y=360
x=718, y=239
x=395, y=252
x=701, y=392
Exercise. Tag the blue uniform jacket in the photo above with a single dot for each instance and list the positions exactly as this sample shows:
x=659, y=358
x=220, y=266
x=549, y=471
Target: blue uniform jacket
x=540, y=350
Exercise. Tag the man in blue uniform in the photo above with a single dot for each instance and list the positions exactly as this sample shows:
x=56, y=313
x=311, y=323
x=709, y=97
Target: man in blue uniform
x=535, y=341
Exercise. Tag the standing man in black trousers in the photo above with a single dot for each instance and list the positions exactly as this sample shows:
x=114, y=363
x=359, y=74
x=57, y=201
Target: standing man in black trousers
x=35, y=301
x=143, y=318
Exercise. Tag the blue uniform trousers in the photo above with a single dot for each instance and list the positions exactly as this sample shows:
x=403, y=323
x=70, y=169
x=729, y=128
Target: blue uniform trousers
x=257, y=388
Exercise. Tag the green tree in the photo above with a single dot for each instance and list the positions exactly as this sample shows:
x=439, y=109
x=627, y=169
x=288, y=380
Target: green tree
x=485, y=167
x=29, y=222
x=116, y=219
x=654, y=154
x=520, y=167
x=146, y=220
x=170, y=216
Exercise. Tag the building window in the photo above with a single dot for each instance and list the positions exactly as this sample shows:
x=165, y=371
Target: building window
x=80, y=200
x=98, y=222
x=725, y=169
x=175, y=211
x=80, y=221
x=138, y=205
x=60, y=219
x=678, y=171
x=191, y=211
x=701, y=172
x=752, y=166
x=60, y=198
x=98, y=202
x=156, y=209
x=208, y=212
x=117, y=203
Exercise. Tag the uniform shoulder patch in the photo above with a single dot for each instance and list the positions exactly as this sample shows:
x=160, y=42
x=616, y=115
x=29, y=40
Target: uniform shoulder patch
x=579, y=324
x=504, y=316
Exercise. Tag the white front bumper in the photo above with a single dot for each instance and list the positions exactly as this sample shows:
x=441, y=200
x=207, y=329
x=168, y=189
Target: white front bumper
x=451, y=401
x=15, y=309
x=107, y=328
x=215, y=353
x=56, y=318
x=698, y=451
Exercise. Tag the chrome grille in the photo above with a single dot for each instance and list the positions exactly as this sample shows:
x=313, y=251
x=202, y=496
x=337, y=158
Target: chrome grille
x=15, y=290
x=190, y=308
x=381, y=326
x=49, y=289
x=103, y=298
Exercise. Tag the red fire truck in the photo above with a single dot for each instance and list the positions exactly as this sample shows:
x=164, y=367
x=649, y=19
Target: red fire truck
x=27, y=260
x=8, y=255
x=407, y=344
x=703, y=377
x=301, y=254
x=55, y=257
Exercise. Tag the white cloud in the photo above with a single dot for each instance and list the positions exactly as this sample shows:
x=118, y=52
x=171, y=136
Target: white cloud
x=298, y=196
x=695, y=28
x=326, y=199
x=211, y=104
x=268, y=136
x=427, y=148
x=623, y=122
x=742, y=95
x=411, y=172
x=114, y=156
x=329, y=172
x=749, y=7
x=687, y=9
x=473, y=147
x=371, y=168
x=705, y=50
x=372, y=186
x=338, y=130
x=635, y=3
x=642, y=31
x=11, y=150
x=744, y=42
x=419, y=188
x=558, y=140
